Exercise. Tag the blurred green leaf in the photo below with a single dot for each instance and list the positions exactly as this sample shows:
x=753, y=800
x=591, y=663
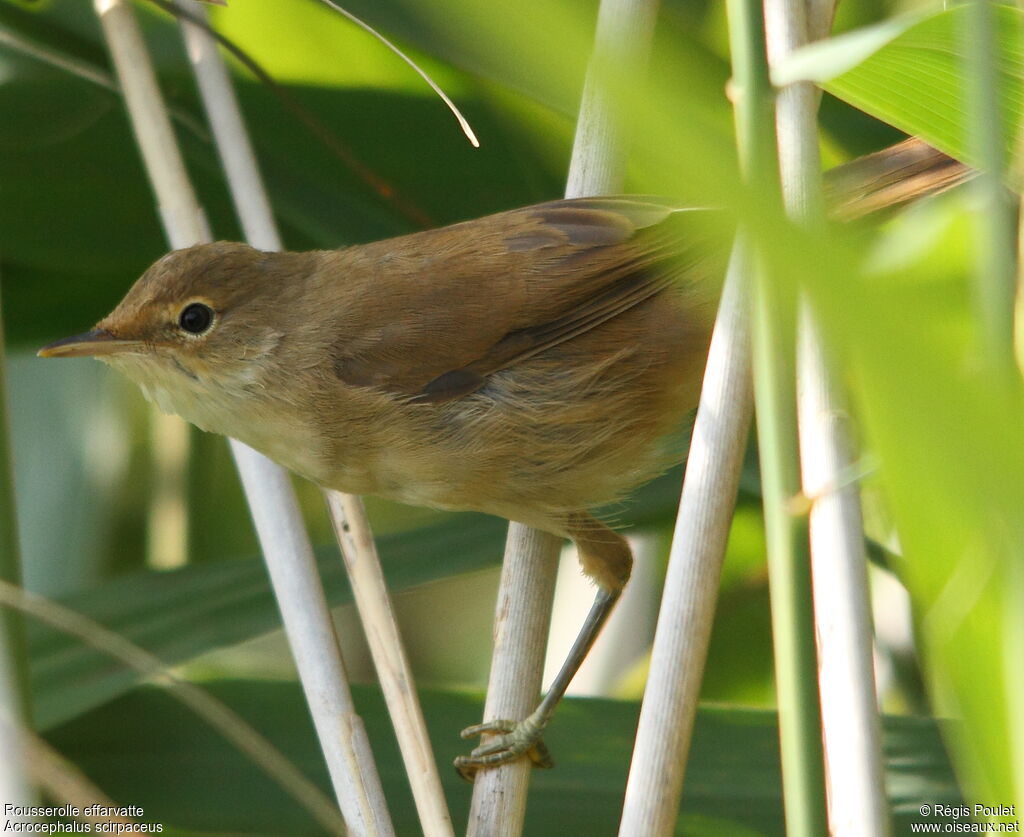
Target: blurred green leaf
x=910, y=73
x=732, y=778
x=67, y=264
x=71, y=107
x=947, y=435
x=64, y=27
x=821, y=61
x=181, y=613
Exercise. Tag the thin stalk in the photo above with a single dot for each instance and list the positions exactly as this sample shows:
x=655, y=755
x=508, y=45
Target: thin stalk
x=995, y=277
x=622, y=43
x=12, y=628
x=14, y=786
x=521, y=622
x=272, y=501
x=788, y=562
x=526, y=589
x=15, y=789
x=351, y=524
x=310, y=631
x=774, y=368
x=851, y=730
x=687, y=612
x=366, y=577
x=994, y=226
x=65, y=783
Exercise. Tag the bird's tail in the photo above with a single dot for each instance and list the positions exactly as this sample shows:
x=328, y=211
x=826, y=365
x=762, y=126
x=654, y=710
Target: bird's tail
x=890, y=178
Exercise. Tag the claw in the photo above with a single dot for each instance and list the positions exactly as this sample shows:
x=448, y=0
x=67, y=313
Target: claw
x=488, y=727
x=522, y=738
x=512, y=739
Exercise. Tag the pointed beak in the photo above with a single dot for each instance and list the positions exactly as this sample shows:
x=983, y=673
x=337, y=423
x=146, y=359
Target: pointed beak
x=90, y=344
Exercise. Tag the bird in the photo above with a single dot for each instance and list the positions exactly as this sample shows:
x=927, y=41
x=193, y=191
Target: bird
x=533, y=364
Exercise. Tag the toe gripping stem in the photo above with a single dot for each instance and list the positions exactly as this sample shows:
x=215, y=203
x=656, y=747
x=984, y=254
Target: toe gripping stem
x=517, y=738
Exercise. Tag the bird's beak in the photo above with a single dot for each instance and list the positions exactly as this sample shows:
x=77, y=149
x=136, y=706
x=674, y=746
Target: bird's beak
x=90, y=344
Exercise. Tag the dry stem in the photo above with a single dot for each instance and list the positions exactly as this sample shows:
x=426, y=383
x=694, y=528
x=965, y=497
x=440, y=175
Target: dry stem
x=849, y=714
x=624, y=31
x=695, y=562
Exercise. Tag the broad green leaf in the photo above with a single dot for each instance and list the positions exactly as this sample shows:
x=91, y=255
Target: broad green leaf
x=286, y=38
x=65, y=28
x=732, y=785
x=821, y=61
x=72, y=107
x=181, y=613
x=911, y=74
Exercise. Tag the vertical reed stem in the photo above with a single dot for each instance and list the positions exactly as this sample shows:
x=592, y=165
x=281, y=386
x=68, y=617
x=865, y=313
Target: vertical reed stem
x=850, y=725
x=526, y=589
x=687, y=612
x=14, y=696
x=12, y=629
x=522, y=618
x=774, y=369
x=994, y=229
x=995, y=276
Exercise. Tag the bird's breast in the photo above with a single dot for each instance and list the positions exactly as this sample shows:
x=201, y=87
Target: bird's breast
x=276, y=427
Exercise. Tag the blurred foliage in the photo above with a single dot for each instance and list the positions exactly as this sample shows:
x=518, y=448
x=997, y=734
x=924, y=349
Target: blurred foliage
x=913, y=78
x=77, y=225
x=732, y=787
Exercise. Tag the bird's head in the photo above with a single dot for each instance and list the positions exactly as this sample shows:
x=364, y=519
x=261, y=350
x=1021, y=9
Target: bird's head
x=199, y=324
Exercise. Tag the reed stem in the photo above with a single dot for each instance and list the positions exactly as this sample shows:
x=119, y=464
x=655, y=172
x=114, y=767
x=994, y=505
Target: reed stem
x=851, y=730
x=526, y=589
x=774, y=368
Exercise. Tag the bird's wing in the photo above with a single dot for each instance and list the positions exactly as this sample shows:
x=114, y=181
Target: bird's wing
x=443, y=309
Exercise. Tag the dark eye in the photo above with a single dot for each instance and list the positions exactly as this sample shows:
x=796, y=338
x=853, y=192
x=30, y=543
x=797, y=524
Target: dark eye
x=196, y=318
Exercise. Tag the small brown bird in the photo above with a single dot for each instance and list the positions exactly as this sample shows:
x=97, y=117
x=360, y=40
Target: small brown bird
x=532, y=364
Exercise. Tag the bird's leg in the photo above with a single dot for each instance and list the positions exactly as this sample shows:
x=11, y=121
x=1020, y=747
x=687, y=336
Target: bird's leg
x=606, y=558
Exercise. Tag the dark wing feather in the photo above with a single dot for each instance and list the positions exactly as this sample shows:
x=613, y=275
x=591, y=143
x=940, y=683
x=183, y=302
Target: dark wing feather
x=464, y=302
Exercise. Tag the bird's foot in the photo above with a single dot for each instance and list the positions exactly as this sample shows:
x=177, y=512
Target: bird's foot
x=512, y=739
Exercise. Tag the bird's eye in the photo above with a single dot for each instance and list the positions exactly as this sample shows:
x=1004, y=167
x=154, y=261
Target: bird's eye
x=195, y=318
